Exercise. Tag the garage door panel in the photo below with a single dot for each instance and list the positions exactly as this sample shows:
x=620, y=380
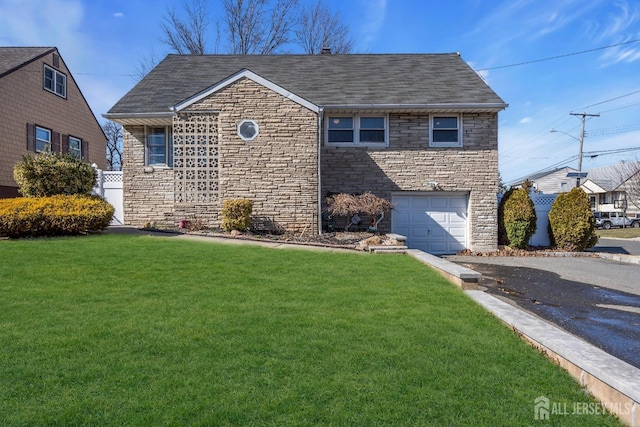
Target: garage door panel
x=434, y=223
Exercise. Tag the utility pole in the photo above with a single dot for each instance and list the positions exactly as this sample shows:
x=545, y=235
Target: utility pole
x=584, y=117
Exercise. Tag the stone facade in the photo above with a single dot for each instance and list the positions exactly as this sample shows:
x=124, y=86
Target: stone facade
x=278, y=170
x=409, y=164
x=24, y=100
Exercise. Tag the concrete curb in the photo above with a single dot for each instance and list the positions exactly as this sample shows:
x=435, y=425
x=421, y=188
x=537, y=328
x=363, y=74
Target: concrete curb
x=616, y=384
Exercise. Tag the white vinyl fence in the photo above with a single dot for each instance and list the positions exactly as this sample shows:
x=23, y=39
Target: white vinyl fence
x=109, y=186
x=542, y=203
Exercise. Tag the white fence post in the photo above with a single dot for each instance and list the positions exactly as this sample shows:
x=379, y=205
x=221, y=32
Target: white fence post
x=109, y=186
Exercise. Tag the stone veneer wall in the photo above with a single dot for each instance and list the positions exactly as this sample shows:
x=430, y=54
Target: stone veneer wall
x=408, y=164
x=278, y=170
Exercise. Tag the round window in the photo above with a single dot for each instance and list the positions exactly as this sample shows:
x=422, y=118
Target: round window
x=247, y=130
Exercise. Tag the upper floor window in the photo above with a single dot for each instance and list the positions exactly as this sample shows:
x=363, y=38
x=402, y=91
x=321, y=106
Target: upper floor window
x=357, y=130
x=55, y=81
x=445, y=131
x=43, y=140
x=159, y=146
x=75, y=147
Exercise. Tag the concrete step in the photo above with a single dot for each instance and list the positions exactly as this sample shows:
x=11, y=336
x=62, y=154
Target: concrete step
x=386, y=249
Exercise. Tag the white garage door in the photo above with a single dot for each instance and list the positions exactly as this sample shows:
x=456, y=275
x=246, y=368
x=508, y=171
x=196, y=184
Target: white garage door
x=436, y=224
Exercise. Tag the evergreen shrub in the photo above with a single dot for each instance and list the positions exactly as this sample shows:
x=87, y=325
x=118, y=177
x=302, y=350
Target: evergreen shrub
x=236, y=214
x=49, y=174
x=53, y=216
x=571, y=222
x=519, y=218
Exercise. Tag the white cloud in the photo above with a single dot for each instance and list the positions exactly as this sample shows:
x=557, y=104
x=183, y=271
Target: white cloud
x=118, y=15
x=376, y=12
x=525, y=120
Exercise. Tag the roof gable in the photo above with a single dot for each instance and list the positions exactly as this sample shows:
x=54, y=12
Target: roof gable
x=251, y=76
x=13, y=58
x=442, y=81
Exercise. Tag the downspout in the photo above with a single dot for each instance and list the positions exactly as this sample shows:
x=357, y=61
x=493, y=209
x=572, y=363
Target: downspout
x=320, y=119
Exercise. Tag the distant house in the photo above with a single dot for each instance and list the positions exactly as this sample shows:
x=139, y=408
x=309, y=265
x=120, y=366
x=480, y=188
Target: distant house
x=550, y=182
x=614, y=187
x=42, y=109
x=286, y=131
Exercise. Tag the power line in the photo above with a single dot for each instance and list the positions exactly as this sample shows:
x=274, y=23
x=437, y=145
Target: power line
x=558, y=56
x=612, y=99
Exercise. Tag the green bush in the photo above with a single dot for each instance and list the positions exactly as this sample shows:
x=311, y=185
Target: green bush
x=519, y=216
x=571, y=222
x=502, y=232
x=49, y=174
x=53, y=216
x=236, y=214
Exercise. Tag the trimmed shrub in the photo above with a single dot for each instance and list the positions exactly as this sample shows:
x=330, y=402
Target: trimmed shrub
x=236, y=214
x=49, y=174
x=502, y=232
x=571, y=222
x=53, y=216
x=519, y=218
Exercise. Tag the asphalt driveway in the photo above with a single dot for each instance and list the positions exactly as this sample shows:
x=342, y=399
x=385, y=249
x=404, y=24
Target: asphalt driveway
x=593, y=298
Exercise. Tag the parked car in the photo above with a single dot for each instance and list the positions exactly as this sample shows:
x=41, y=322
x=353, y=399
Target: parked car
x=608, y=220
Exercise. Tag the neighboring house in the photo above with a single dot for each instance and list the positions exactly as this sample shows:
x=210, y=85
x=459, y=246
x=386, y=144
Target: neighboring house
x=614, y=188
x=286, y=131
x=42, y=109
x=550, y=182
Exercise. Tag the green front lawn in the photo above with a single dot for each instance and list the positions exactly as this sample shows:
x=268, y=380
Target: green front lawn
x=115, y=330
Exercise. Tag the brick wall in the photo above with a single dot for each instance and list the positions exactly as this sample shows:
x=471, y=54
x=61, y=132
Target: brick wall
x=24, y=100
x=277, y=170
x=408, y=164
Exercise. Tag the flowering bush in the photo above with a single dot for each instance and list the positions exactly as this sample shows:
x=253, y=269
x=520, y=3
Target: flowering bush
x=53, y=216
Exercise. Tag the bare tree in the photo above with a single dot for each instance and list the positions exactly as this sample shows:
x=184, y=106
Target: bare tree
x=113, y=131
x=252, y=29
x=318, y=28
x=146, y=64
x=187, y=36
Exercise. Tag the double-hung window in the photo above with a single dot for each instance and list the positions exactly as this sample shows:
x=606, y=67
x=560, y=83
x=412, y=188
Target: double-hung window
x=55, y=81
x=159, y=146
x=445, y=131
x=43, y=140
x=357, y=130
x=75, y=147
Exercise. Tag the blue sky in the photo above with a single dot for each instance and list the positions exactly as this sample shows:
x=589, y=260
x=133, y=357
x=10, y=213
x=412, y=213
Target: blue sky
x=103, y=42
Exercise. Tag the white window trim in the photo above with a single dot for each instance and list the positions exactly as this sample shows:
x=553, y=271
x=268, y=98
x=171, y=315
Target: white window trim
x=255, y=125
x=168, y=146
x=47, y=143
x=79, y=152
x=56, y=74
x=356, y=131
x=445, y=144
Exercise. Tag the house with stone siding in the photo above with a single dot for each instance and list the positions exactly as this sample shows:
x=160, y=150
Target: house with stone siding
x=42, y=110
x=286, y=131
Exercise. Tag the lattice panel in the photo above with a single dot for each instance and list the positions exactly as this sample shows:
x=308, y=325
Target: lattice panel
x=195, y=158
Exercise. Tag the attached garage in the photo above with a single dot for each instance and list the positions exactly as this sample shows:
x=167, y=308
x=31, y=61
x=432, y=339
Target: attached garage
x=436, y=223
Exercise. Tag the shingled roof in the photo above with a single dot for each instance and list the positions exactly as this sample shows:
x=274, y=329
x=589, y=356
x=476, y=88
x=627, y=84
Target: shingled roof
x=12, y=58
x=400, y=80
x=611, y=177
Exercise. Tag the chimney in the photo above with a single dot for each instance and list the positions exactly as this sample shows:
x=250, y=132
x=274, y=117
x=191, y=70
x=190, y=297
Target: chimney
x=326, y=50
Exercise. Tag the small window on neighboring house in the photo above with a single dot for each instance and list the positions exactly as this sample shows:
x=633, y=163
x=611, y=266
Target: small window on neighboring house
x=75, y=147
x=592, y=202
x=159, y=146
x=601, y=199
x=55, y=81
x=445, y=131
x=43, y=140
x=356, y=130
